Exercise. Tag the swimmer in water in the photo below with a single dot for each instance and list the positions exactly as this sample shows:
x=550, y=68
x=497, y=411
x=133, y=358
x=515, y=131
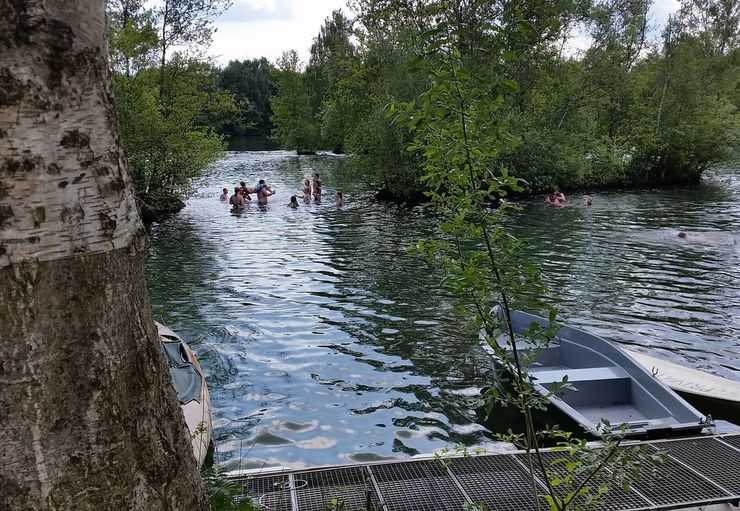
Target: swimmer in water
x=225, y=195
x=293, y=202
x=709, y=238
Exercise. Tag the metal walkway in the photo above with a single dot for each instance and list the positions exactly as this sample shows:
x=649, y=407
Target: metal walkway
x=697, y=471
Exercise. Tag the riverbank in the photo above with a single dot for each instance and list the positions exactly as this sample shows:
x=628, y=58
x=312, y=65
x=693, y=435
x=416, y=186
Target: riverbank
x=162, y=210
x=417, y=197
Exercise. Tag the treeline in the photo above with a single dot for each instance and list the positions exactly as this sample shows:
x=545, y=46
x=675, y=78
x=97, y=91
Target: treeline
x=634, y=107
x=170, y=103
x=627, y=110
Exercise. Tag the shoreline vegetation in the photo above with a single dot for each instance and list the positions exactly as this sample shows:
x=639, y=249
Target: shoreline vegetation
x=639, y=106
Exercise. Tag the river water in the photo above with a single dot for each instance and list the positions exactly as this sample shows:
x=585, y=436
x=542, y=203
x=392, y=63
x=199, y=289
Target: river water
x=325, y=340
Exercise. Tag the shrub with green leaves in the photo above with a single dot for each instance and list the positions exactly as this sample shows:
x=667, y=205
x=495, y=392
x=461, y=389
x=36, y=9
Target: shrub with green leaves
x=224, y=493
x=460, y=130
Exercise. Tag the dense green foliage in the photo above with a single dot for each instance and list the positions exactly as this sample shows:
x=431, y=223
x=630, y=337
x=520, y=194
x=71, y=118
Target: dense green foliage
x=296, y=126
x=252, y=84
x=168, y=107
x=632, y=108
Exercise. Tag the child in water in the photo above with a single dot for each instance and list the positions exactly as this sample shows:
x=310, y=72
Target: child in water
x=339, y=199
x=306, y=191
x=293, y=202
x=316, y=187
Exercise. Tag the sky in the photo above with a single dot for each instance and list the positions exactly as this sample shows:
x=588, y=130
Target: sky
x=266, y=28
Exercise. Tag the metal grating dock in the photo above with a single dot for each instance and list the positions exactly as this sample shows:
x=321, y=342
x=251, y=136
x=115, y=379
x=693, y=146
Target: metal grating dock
x=697, y=471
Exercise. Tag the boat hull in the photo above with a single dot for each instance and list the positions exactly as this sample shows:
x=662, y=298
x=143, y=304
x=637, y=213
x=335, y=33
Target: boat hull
x=196, y=411
x=709, y=393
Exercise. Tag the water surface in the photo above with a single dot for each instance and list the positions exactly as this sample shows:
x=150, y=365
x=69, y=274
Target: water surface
x=325, y=341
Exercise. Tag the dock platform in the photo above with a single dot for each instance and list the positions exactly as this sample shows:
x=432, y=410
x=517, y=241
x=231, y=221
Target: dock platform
x=698, y=472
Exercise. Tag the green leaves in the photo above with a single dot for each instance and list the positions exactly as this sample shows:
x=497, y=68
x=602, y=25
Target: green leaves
x=460, y=128
x=223, y=493
x=294, y=118
x=163, y=113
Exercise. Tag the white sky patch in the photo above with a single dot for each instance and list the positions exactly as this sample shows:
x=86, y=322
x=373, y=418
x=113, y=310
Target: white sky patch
x=266, y=28
x=250, y=11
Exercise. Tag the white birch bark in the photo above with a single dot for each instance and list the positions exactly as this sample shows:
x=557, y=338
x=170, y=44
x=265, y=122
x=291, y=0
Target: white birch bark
x=88, y=416
x=65, y=190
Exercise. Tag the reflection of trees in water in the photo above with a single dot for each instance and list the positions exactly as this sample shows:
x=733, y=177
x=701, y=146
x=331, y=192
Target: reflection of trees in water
x=290, y=166
x=181, y=272
x=388, y=288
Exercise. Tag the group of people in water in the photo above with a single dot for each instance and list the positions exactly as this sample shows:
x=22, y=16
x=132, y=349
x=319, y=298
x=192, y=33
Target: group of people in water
x=312, y=189
x=557, y=199
x=243, y=194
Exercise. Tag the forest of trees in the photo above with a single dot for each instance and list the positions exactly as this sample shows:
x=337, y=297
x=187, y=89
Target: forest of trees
x=639, y=105
x=177, y=109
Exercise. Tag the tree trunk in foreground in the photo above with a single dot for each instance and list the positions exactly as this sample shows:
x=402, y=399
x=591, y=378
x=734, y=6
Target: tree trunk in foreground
x=88, y=416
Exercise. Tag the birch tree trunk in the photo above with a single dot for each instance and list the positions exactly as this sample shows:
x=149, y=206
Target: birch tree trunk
x=88, y=417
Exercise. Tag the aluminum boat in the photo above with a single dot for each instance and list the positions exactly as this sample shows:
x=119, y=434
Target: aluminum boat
x=606, y=384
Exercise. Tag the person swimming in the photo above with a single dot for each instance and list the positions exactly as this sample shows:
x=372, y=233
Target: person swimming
x=552, y=200
x=293, y=202
x=339, y=199
x=225, y=195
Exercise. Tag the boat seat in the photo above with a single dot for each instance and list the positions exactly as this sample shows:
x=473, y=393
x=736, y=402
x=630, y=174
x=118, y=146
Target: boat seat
x=599, y=387
x=576, y=375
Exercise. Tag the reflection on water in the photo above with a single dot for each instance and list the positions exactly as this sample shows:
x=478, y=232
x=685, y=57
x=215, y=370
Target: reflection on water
x=324, y=341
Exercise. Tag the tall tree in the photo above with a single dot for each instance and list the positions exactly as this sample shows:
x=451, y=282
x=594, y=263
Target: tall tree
x=330, y=64
x=89, y=417
x=251, y=82
x=168, y=114
x=186, y=23
x=295, y=125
